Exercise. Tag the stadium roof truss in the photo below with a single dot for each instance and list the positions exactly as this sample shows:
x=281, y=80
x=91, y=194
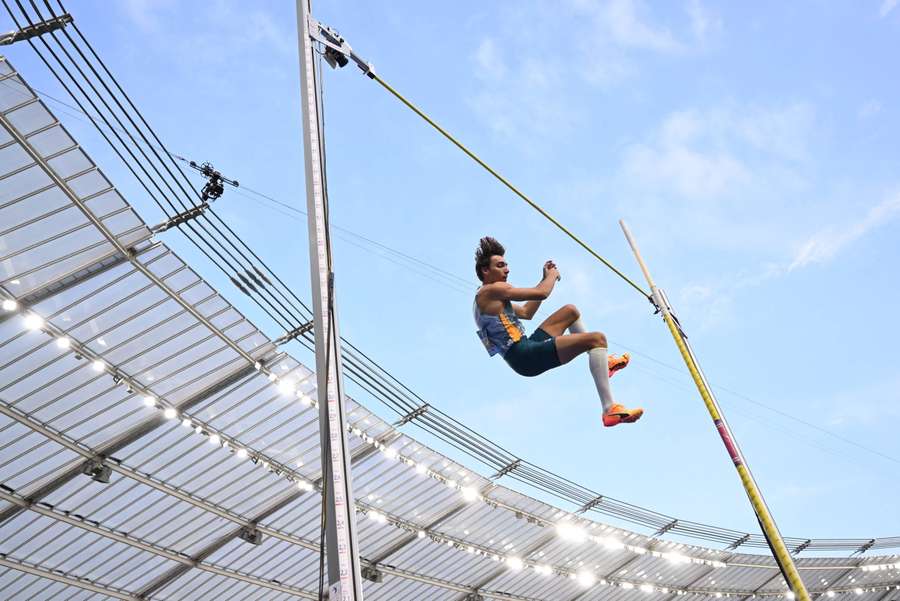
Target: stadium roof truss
x=156, y=445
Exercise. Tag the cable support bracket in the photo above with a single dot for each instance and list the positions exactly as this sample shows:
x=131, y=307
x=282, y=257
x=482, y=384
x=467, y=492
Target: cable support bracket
x=507, y=469
x=251, y=535
x=38, y=29
x=802, y=546
x=257, y=282
x=338, y=52
x=666, y=528
x=865, y=547
x=372, y=574
x=180, y=218
x=415, y=413
x=295, y=333
x=244, y=283
x=739, y=542
x=96, y=468
x=591, y=504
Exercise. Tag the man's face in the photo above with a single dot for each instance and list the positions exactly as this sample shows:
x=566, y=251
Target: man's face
x=497, y=271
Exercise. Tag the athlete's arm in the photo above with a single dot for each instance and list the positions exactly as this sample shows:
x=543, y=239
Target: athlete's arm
x=503, y=291
x=527, y=310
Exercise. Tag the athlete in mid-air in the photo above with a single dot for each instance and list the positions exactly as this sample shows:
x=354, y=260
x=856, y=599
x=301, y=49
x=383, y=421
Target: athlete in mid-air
x=499, y=328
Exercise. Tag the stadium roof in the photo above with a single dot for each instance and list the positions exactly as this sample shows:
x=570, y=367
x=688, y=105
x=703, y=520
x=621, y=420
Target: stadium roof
x=156, y=445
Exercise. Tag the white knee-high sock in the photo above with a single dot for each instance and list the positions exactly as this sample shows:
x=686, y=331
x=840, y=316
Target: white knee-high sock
x=600, y=372
x=599, y=367
x=577, y=327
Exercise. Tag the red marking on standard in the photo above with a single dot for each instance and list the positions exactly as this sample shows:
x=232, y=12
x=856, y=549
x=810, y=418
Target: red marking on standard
x=729, y=443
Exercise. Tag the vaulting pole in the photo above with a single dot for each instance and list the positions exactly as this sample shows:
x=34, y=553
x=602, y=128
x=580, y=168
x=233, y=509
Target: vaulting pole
x=341, y=545
x=766, y=521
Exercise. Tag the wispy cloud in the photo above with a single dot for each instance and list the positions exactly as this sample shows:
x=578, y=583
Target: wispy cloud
x=527, y=83
x=617, y=31
x=704, y=154
x=626, y=23
x=224, y=20
x=145, y=13
x=886, y=7
x=715, y=307
x=711, y=301
x=519, y=97
x=718, y=159
x=704, y=24
x=629, y=24
x=691, y=173
x=829, y=242
x=488, y=61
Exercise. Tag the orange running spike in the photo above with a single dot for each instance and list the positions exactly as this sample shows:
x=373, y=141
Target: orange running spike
x=618, y=414
x=616, y=363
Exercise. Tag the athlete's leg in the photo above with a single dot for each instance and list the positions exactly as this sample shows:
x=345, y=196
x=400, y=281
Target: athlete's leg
x=614, y=362
x=577, y=327
x=594, y=343
x=560, y=320
x=569, y=347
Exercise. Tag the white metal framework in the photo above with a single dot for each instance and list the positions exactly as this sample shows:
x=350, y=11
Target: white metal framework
x=146, y=454
x=341, y=540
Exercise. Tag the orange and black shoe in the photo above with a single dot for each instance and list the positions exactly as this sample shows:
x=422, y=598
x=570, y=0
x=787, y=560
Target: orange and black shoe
x=616, y=363
x=618, y=414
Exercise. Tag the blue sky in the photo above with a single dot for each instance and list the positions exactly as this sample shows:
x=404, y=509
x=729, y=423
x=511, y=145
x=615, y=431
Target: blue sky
x=751, y=147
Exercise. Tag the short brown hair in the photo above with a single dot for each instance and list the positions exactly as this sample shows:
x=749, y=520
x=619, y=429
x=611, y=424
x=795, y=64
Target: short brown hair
x=487, y=248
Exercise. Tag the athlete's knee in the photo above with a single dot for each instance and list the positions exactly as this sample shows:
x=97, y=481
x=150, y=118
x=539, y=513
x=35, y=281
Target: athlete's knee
x=572, y=311
x=598, y=339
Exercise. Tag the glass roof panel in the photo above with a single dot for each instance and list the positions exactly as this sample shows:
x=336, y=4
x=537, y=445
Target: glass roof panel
x=13, y=158
x=70, y=162
x=52, y=141
x=30, y=208
x=29, y=117
x=88, y=184
x=12, y=90
x=22, y=183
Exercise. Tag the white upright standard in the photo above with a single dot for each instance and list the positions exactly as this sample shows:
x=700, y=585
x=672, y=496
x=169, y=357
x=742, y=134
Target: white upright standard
x=343, y=575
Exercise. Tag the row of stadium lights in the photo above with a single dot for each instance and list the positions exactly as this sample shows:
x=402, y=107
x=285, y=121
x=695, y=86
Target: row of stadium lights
x=33, y=321
x=571, y=532
x=566, y=529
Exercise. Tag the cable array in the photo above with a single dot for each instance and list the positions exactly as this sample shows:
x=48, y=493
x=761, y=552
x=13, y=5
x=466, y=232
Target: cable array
x=85, y=77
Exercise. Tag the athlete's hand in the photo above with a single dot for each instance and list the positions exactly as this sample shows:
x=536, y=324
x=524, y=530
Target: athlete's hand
x=550, y=270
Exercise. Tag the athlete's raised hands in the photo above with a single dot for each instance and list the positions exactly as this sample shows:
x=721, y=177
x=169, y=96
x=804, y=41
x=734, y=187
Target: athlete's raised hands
x=550, y=269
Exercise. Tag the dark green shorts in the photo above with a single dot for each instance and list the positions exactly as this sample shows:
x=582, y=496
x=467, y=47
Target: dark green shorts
x=533, y=355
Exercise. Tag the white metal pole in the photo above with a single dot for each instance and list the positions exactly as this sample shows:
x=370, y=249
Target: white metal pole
x=344, y=583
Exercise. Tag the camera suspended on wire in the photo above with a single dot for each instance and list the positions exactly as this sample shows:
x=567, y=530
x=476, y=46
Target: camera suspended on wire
x=214, y=187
